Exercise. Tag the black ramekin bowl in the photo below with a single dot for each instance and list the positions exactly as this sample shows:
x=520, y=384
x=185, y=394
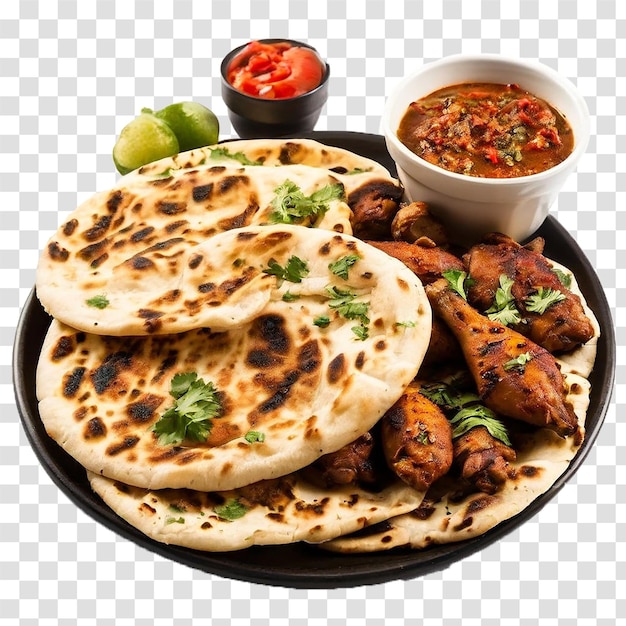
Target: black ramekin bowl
x=255, y=118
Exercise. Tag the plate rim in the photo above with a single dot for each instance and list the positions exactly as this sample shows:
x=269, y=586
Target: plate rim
x=348, y=570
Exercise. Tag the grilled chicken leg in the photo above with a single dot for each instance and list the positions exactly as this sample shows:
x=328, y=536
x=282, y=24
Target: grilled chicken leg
x=483, y=459
x=417, y=439
x=563, y=326
x=514, y=376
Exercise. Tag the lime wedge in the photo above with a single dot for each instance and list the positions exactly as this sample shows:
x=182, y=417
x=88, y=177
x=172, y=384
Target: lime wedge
x=147, y=138
x=193, y=124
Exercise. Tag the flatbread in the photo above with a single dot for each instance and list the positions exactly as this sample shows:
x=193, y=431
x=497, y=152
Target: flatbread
x=284, y=510
x=129, y=245
x=273, y=152
x=309, y=389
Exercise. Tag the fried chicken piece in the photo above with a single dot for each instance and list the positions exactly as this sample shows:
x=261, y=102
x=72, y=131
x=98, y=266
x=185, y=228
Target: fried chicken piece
x=563, y=326
x=443, y=348
x=514, y=376
x=374, y=205
x=427, y=262
x=351, y=464
x=414, y=221
x=483, y=459
x=416, y=440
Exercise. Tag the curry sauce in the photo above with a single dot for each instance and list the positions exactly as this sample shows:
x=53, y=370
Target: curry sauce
x=486, y=130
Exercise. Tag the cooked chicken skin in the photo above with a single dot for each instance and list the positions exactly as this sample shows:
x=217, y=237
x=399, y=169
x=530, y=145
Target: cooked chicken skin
x=351, y=464
x=417, y=440
x=426, y=262
x=514, y=376
x=562, y=327
x=443, y=348
x=483, y=459
x=374, y=205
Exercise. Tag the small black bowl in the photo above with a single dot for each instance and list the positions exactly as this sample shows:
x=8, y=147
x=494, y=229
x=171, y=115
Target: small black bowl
x=254, y=118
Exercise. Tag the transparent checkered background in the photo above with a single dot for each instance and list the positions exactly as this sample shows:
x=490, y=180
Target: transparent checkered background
x=73, y=73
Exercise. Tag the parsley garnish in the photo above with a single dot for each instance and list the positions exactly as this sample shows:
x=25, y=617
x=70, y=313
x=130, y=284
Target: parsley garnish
x=518, y=362
x=342, y=266
x=195, y=404
x=342, y=302
x=224, y=153
x=175, y=520
x=290, y=297
x=467, y=412
x=254, y=436
x=564, y=277
x=448, y=396
x=294, y=270
x=98, y=302
x=544, y=298
x=407, y=324
x=290, y=205
x=503, y=309
x=479, y=415
x=458, y=281
x=322, y=321
x=361, y=332
x=231, y=510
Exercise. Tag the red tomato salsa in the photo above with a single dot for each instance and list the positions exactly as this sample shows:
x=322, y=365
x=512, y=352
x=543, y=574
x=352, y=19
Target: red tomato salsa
x=486, y=130
x=275, y=70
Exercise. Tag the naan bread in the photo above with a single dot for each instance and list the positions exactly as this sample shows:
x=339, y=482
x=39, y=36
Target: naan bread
x=129, y=245
x=273, y=152
x=309, y=389
x=279, y=511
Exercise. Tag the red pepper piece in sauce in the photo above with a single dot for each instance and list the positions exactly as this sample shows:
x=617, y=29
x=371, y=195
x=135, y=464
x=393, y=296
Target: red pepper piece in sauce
x=275, y=70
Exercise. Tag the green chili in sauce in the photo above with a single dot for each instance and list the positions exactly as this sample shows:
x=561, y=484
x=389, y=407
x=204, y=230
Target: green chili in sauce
x=486, y=130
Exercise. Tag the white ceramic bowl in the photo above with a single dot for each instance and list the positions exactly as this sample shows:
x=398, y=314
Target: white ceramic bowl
x=472, y=206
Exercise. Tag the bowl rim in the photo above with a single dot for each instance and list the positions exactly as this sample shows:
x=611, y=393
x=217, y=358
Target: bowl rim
x=296, y=43
x=581, y=135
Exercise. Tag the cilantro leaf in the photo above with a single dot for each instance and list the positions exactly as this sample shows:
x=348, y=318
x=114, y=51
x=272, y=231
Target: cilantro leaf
x=98, y=302
x=564, y=277
x=294, y=270
x=448, y=396
x=544, y=298
x=518, y=362
x=361, y=332
x=254, y=436
x=322, y=321
x=290, y=297
x=503, y=309
x=406, y=324
x=231, y=510
x=342, y=302
x=479, y=415
x=224, y=153
x=195, y=404
x=291, y=206
x=342, y=266
x=458, y=281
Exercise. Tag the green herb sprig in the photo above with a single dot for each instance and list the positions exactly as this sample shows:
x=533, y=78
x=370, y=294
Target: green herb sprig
x=195, y=404
x=464, y=410
x=293, y=271
x=291, y=206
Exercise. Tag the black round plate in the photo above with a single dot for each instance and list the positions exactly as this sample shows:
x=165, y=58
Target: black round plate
x=302, y=565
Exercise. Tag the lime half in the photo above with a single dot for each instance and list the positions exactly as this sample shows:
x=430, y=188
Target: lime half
x=193, y=124
x=147, y=138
